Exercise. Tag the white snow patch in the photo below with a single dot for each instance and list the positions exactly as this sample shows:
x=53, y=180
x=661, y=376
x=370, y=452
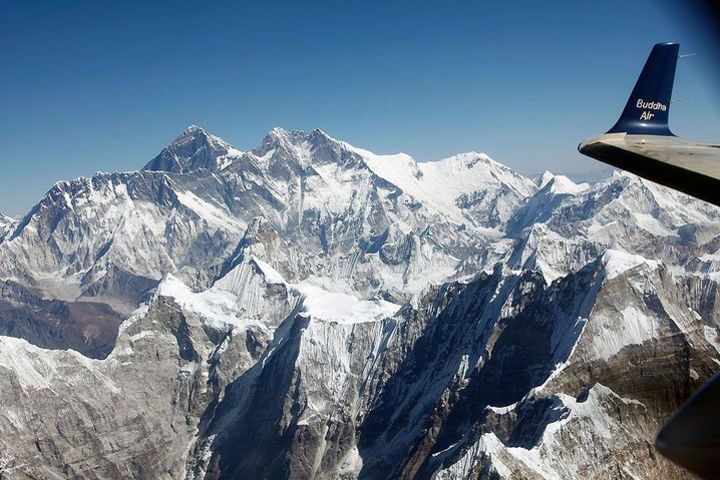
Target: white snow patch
x=631, y=327
x=711, y=335
x=37, y=368
x=618, y=262
x=561, y=185
x=489, y=445
x=272, y=276
x=138, y=314
x=342, y=308
x=502, y=410
x=438, y=184
x=651, y=224
x=214, y=307
x=207, y=211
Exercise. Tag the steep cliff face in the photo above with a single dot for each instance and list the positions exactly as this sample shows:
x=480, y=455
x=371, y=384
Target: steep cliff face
x=128, y=416
x=310, y=309
x=136, y=413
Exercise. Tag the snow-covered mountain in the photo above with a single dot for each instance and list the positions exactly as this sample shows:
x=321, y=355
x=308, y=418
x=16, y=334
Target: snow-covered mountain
x=5, y=224
x=310, y=309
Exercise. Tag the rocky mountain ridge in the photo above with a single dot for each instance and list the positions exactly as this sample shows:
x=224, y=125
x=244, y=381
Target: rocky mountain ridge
x=310, y=309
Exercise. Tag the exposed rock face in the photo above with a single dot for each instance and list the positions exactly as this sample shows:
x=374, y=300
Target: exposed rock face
x=313, y=310
x=82, y=418
x=87, y=327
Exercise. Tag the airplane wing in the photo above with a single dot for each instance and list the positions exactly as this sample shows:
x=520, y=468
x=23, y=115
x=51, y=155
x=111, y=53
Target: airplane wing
x=692, y=436
x=641, y=141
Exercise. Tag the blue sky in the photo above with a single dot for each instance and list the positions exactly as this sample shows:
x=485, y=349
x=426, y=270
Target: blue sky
x=103, y=86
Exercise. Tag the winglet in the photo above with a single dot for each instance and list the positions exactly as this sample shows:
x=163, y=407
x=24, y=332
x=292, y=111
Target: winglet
x=648, y=107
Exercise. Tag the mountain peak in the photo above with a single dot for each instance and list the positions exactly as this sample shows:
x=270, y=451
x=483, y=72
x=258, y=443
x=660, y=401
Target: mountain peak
x=293, y=136
x=194, y=149
x=469, y=160
x=560, y=184
x=302, y=146
x=194, y=128
x=192, y=131
x=545, y=178
x=617, y=262
x=278, y=132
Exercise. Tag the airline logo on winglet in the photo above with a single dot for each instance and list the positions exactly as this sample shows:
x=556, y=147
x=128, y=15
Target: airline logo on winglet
x=651, y=105
x=647, y=109
x=646, y=106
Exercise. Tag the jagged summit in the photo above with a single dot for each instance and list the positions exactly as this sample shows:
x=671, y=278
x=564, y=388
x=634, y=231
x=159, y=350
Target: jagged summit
x=120, y=231
x=194, y=149
x=193, y=133
x=194, y=128
x=302, y=147
x=280, y=132
x=197, y=149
